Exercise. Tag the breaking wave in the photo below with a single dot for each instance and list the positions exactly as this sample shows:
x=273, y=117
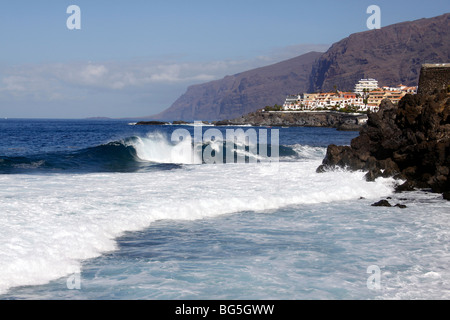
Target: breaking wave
x=155, y=151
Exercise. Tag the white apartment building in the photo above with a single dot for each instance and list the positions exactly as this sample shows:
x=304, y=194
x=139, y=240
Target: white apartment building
x=402, y=88
x=312, y=101
x=368, y=84
x=292, y=102
x=355, y=100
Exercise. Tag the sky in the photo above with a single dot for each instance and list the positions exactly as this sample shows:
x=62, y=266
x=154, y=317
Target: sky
x=135, y=58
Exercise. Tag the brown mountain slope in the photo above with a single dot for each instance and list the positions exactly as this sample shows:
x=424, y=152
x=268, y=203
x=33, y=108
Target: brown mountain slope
x=392, y=55
x=244, y=92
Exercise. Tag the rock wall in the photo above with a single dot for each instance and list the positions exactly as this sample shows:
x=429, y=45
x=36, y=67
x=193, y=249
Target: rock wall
x=434, y=76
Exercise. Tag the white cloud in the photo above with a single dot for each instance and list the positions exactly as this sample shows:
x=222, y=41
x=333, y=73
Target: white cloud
x=60, y=79
x=152, y=82
x=57, y=79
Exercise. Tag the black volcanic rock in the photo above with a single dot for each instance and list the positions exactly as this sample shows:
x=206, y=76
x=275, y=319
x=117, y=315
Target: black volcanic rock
x=382, y=203
x=410, y=141
x=392, y=55
x=151, y=123
x=242, y=93
x=339, y=120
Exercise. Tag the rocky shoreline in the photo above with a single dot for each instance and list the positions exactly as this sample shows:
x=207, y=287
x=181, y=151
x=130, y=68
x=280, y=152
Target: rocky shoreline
x=409, y=141
x=330, y=119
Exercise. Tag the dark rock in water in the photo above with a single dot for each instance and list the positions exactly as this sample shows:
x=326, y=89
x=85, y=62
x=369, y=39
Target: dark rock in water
x=349, y=127
x=339, y=120
x=407, y=186
x=151, y=123
x=408, y=141
x=385, y=203
x=382, y=203
x=446, y=195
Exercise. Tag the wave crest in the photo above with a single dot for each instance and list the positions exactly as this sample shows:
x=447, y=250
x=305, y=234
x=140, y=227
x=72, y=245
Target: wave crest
x=152, y=152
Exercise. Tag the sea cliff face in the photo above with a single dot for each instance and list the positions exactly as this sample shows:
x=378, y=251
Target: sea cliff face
x=244, y=92
x=392, y=55
x=410, y=141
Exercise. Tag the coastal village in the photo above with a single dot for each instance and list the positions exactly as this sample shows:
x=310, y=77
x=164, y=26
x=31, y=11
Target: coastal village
x=366, y=96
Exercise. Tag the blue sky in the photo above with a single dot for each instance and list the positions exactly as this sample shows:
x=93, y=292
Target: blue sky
x=136, y=57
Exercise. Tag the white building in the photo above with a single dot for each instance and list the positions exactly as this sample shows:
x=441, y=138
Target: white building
x=402, y=88
x=330, y=101
x=368, y=84
x=292, y=102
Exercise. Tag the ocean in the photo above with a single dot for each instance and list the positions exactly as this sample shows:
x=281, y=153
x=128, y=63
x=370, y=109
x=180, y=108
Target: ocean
x=105, y=209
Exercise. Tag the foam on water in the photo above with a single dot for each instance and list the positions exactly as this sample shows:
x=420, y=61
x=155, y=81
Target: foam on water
x=50, y=224
x=157, y=147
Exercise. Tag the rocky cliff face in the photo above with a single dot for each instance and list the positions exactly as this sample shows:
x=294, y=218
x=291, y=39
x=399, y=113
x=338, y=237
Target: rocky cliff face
x=244, y=92
x=410, y=141
x=392, y=55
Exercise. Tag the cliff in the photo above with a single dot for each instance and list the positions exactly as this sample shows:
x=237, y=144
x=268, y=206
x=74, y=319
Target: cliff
x=392, y=55
x=244, y=92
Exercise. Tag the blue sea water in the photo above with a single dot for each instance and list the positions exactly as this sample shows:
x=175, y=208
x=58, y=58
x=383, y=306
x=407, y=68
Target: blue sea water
x=104, y=209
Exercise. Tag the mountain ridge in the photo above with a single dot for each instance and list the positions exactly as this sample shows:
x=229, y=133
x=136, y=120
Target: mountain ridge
x=238, y=94
x=392, y=55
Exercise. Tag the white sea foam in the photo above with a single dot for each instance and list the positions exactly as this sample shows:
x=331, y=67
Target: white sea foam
x=50, y=224
x=156, y=147
x=309, y=152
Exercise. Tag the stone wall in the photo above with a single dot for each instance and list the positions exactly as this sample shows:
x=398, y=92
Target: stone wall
x=434, y=76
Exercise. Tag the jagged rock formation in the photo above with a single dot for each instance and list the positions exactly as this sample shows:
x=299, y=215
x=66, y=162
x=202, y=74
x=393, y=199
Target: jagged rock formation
x=410, y=141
